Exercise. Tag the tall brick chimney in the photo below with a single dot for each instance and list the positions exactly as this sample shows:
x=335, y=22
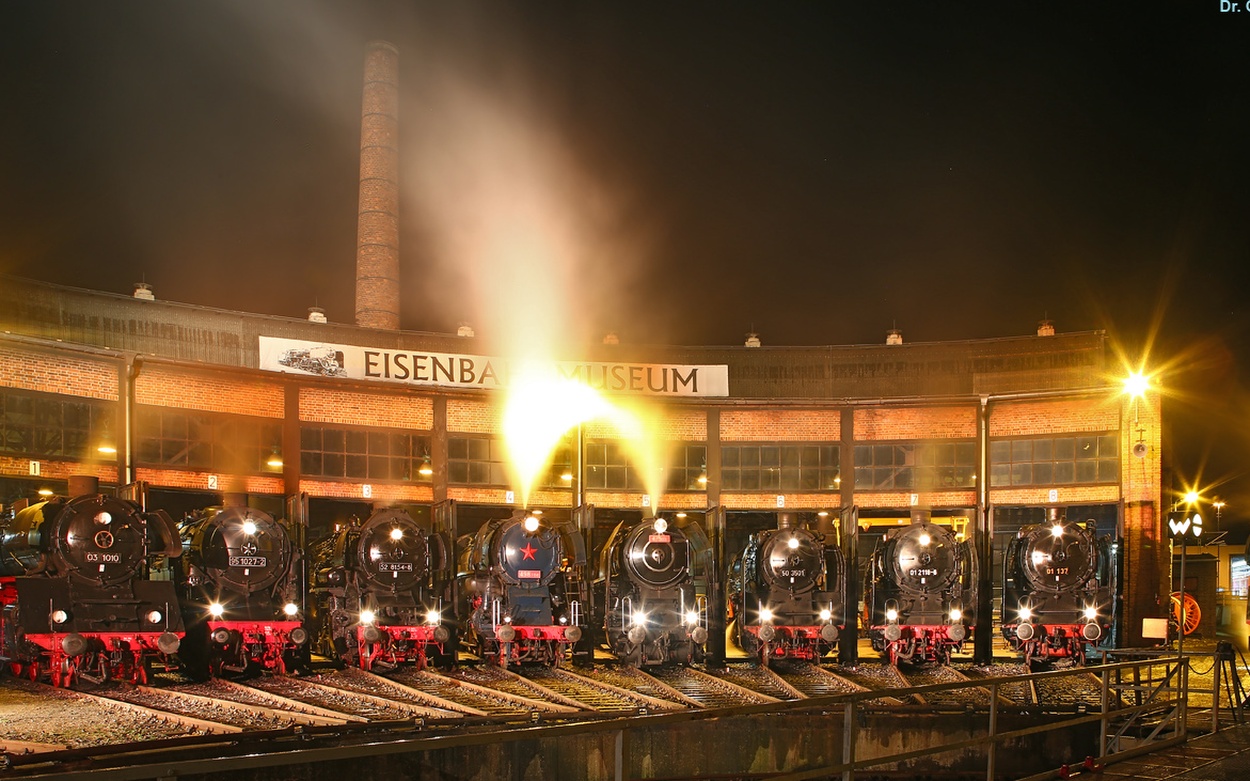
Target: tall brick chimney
x=377, y=241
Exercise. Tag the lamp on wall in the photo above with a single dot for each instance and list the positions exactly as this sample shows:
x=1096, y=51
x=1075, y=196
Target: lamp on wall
x=426, y=470
x=275, y=459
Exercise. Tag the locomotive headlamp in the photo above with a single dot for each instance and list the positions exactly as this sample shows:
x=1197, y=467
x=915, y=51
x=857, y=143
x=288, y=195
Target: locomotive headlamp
x=397, y=533
x=103, y=519
x=59, y=616
x=661, y=525
x=891, y=615
x=216, y=610
x=956, y=614
x=692, y=617
x=530, y=523
x=1025, y=614
x=366, y=616
x=249, y=528
x=766, y=614
x=290, y=608
x=432, y=617
x=1056, y=530
x=154, y=617
x=792, y=543
x=825, y=615
x=1091, y=613
x=640, y=618
x=925, y=539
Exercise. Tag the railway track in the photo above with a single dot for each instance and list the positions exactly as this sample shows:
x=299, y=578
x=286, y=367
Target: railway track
x=370, y=707
x=594, y=695
x=507, y=682
x=762, y=680
x=1014, y=693
x=970, y=697
x=812, y=680
x=465, y=696
x=177, y=708
x=299, y=712
x=633, y=679
x=710, y=691
x=876, y=677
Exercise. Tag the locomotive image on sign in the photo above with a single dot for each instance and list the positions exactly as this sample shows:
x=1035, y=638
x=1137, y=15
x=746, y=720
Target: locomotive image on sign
x=1058, y=590
x=241, y=594
x=920, y=591
x=524, y=582
x=381, y=590
x=74, y=590
x=652, y=608
x=787, y=591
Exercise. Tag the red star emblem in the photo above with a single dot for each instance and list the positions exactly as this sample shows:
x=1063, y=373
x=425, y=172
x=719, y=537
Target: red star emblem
x=529, y=551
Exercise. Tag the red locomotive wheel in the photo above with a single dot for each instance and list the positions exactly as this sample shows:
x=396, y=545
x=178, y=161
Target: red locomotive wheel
x=1189, y=617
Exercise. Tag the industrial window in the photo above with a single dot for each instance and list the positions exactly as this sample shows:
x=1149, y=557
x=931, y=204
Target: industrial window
x=1084, y=458
x=780, y=467
x=357, y=454
x=687, y=468
x=476, y=461
x=915, y=466
x=45, y=425
x=206, y=441
x=607, y=466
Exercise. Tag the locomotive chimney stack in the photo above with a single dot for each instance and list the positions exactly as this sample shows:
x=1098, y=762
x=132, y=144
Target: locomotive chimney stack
x=377, y=225
x=83, y=485
x=921, y=516
x=233, y=499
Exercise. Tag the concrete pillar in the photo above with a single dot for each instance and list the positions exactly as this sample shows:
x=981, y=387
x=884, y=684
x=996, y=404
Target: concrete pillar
x=377, y=244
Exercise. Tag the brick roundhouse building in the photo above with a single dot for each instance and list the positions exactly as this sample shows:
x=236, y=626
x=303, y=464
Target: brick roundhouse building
x=852, y=438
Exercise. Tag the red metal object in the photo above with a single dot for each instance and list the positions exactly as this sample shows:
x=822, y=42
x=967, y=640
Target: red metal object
x=798, y=642
x=397, y=645
x=109, y=656
x=929, y=642
x=260, y=643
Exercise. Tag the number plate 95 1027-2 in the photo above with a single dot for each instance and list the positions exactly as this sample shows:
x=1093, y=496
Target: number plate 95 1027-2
x=249, y=561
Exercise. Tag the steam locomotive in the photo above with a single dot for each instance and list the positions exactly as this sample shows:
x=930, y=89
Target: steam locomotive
x=76, y=599
x=921, y=585
x=786, y=594
x=381, y=591
x=651, y=609
x=1058, y=590
x=241, y=594
x=524, y=587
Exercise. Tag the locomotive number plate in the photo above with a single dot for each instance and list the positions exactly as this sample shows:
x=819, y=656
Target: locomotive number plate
x=1058, y=571
x=249, y=561
x=105, y=558
x=530, y=574
x=792, y=573
x=659, y=538
x=395, y=566
x=920, y=572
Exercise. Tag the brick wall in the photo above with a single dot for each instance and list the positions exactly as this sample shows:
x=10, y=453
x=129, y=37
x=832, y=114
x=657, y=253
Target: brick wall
x=780, y=426
x=470, y=416
x=166, y=386
x=1079, y=494
x=674, y=424
x=751, y=501
x=57, y=470
x=382, y=492
x=322, y=405
x=198, y=481
x=1023, y=418
x=633, y=500
x=915, y=423
x=925, y=499
x=71, y=376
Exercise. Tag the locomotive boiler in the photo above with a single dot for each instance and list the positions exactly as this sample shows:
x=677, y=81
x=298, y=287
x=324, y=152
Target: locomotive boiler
x=242, y=594
x=76, y=599
x=652, y=608
x=921, y=593
x=382, y=593
x=1058, y=590
x=787, y=589
x=525, y=591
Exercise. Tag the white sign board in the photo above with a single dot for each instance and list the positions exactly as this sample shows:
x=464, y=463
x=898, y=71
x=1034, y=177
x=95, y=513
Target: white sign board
x=455, y=370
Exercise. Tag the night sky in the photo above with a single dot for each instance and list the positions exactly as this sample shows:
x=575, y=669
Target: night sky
x=676, y=172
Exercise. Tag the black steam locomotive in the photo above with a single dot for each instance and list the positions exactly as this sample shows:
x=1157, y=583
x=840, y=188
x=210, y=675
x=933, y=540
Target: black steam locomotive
x=77, y=602
x=241, y=594
x=920, y=590
x=524, y=587
x=652, y=610
x=1058, y=590
x=382, y=593
x=786, y=594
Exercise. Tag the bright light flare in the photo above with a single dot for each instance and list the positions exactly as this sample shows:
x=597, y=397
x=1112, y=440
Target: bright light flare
x=925, y=539
x=1025, y=614
x=826, y=614
x=956, y=614
x=640, y=618
x=692, y=617
x=1136, y=384
x=397, y=533
x=1091, y=613
x=891, y=615
x=367, y=617
x=530, y=523
x=216, y=610
x=660, y=526
x=249, y=528
x=793, y=543
x=765, y=615
x=1056, y=531
x=290, y=609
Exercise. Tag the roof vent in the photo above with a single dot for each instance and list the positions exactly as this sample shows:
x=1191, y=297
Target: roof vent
x=611, y=338
x=1046, y=328
x=894, y=336
x=144, y=290
x=753, y=340
x=466, y=331
x=316, y=315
